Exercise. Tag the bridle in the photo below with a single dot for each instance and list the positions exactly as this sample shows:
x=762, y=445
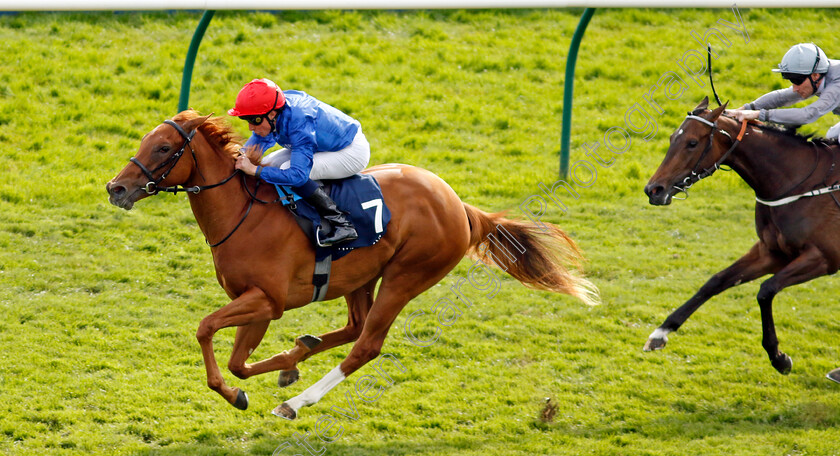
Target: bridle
x=152, y=188
x=695, y=176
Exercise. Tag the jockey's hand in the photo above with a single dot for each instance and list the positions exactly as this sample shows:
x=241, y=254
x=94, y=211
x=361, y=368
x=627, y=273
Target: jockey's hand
x=244, y=164
x=742, y=114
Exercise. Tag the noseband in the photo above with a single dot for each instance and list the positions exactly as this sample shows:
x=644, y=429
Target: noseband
x=695, y=176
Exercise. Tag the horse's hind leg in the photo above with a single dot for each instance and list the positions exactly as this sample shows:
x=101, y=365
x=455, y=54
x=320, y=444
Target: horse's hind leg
x=834, y=375
x=809, y=265
x=756, y=263
x=303, y=345
x=399, y=285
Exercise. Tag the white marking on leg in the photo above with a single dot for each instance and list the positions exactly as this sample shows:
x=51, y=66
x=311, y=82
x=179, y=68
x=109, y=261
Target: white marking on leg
x=660, y=333
x=315, y=392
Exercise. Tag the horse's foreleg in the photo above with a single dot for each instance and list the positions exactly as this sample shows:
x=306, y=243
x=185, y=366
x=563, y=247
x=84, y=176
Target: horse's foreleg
x=366, y=348
x=358, y=304
x=252, y=307
x=400, y=284
x=834, y=375
x=756, y=263
x=285, y=361
x=248, y=338
x=810, y=264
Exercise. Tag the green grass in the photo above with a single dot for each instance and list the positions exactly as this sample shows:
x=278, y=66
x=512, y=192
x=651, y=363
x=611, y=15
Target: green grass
x=100, y=306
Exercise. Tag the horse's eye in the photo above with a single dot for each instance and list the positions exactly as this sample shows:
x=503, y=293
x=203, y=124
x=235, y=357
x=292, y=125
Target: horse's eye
x=164, y=149
x=692, y=143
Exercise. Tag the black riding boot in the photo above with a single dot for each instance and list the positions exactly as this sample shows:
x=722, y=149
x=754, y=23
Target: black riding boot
x=342, y=228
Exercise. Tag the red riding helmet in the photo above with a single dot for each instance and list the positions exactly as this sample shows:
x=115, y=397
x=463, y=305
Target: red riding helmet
x=256, y=98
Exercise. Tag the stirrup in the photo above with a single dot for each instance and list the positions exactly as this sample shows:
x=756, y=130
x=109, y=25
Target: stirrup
x=327, y=243
x=318, y=238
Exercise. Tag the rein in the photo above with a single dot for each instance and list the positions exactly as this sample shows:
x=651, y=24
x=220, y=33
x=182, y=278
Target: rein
x=695, y=177
x=152, y=188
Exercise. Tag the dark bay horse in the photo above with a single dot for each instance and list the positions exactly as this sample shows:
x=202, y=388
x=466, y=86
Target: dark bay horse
x=265, y=263
x=797, y=233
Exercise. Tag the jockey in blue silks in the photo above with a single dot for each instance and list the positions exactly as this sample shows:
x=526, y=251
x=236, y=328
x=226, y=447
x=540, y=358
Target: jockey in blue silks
x=318, y=140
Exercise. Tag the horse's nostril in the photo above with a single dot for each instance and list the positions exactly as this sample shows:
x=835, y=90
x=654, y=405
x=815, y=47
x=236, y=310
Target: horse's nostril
x=652, y=190
x=116, y=190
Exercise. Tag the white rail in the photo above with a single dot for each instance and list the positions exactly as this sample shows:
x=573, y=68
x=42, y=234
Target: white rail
x=142, y=5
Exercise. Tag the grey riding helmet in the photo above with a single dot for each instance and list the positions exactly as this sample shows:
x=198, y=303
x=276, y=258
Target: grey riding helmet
x=801, y=61
x=804, y=58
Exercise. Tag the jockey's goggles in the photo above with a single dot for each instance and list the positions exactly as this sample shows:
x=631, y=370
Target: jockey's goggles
x=795, y=78
x=253, y=120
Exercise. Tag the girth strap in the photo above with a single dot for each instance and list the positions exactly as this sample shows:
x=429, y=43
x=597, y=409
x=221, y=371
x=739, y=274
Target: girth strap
x=321, y=278
x=790, y=199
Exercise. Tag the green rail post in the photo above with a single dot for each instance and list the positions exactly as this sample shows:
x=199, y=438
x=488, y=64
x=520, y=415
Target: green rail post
x=567, y=91
x=184, y=100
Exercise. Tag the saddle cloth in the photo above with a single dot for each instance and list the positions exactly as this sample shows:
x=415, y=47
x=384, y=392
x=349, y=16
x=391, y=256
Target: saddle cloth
x=360, y=196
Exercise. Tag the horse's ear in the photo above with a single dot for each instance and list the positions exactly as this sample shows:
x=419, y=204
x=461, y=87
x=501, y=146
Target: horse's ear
x=718, y=111
x=194, y=123
x=703, y=104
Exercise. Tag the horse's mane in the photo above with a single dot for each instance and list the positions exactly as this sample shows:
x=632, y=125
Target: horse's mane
x=215, y=129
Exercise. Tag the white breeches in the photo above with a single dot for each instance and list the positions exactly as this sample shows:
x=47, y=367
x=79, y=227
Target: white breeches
x=833, y=132
x=329, y=165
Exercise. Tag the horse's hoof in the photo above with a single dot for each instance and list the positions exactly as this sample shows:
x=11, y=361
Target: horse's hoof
x=783, y=363
x=241, y=400
x=287, y=377
x=654, y=343
x=834, y=375
x=309, y=341
x=284, y=411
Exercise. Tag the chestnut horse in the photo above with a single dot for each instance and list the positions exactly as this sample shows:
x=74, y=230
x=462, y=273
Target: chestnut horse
x=265, y=263
x=796, y=213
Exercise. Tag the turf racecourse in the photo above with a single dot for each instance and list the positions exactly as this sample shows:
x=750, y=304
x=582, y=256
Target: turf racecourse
x=100, y=305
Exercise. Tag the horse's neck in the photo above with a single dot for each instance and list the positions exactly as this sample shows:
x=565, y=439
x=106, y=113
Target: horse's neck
x=768, y=167
x=217, y=210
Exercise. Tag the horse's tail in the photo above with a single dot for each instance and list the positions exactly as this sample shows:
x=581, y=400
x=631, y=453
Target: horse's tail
x=547, y=260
